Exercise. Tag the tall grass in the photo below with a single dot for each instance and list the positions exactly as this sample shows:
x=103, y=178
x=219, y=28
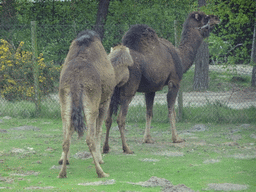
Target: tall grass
x=26, y=109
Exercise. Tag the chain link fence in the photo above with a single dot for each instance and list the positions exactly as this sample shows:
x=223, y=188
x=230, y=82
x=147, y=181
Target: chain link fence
x=229, y=99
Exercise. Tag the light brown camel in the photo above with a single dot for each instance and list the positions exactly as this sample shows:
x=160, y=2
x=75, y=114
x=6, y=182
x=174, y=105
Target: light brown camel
x=87, y=81
x=157, y=63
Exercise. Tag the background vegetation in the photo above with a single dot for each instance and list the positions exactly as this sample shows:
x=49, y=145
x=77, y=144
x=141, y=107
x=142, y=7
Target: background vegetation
x=60, y=21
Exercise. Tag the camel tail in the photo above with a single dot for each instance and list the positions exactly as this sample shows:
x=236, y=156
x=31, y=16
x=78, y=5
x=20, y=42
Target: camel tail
x=115, y=100
x=77, y=117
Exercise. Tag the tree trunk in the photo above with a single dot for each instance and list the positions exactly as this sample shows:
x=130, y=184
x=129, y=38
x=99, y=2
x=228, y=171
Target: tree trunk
x=101, y=17
x=201, y=63
x=253, y=56
x=201, y=68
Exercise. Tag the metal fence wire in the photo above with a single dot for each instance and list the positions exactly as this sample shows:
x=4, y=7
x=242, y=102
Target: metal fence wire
x=229, y=98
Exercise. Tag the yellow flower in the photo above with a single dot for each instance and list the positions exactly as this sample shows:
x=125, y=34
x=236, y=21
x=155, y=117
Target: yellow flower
x=11, y=81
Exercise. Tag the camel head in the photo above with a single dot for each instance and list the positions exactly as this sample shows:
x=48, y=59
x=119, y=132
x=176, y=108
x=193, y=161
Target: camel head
x=121, y=59
x=201, y=22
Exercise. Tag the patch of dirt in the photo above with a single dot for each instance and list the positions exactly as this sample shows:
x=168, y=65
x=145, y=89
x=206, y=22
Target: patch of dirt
x=177, y=188
x=83, y=155
x=35, y=187
x=149, y=160
x=198, y=128
x=170, y=153
x=234, y=137
x=6, y=117
x=230, y=144
x=3, y=131
x=153, y=182
x=23, y=151
x=6, y=179
x=96, y=183
x=253, y=136
x=242, y=156
x=57, y=167
x=25, y=128
x=49, y=149
x=25, y=174
x=211, y=161
x=161, y=182
x=226, y=187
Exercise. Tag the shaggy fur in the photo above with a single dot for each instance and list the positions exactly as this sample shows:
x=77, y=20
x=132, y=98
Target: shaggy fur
x=87, y=82
x=157, y=63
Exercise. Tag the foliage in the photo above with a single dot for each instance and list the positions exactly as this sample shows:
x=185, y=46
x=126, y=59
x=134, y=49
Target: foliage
x=236, y=27
x=123, y=14
x=60, y=21
x=16, y=73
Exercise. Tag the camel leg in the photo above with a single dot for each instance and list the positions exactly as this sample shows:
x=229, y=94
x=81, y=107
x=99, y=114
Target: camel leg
x=108, y=124
x=149, y=104
x=125, y=101
x=68, y=131
x=90, y=140
x=65, y=128
x=102, y=114
x=171, y=97
x=91, y=114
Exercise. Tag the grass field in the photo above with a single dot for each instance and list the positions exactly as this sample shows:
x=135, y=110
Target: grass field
x=214, y=155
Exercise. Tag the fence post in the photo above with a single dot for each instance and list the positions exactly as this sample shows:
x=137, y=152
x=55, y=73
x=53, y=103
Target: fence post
x=74, y=26
x=180, y=93
x=37, y=99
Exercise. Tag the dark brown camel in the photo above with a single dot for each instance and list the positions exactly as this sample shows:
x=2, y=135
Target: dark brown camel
x=157, y=63
x=87, y=81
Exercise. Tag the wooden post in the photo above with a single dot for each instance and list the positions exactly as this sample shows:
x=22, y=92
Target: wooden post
x=74, y=26
x=253, y=56
x=180, y=93
x=37, y=99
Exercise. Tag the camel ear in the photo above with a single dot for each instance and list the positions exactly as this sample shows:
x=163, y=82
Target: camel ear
x=128, y=50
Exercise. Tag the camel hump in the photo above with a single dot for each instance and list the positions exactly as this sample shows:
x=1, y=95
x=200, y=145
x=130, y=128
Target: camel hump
x=86, y=37
x=137, y=35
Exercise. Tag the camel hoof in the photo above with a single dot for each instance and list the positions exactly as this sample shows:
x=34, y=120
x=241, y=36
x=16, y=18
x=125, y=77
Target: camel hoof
x=128, y=151
x=149, y=141
x=61, y=162
x=178, y=140
x=105, y=149
x=103, y=175
x=62, y=175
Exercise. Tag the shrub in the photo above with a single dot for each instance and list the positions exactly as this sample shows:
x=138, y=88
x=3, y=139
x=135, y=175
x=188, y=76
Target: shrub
x=16, y=73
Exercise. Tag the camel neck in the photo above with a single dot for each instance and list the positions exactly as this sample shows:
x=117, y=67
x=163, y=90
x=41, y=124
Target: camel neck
x=190, y=42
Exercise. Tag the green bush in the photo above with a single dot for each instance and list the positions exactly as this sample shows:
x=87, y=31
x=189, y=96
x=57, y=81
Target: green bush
x=16, y=73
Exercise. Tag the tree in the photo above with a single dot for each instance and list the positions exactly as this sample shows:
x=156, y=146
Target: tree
x=101, y=17
x=253, y=56
x=236, y=27
x=201, y=63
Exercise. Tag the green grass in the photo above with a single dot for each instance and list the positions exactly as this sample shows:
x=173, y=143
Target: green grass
x=218, y=82
x=188, y=169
